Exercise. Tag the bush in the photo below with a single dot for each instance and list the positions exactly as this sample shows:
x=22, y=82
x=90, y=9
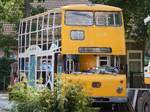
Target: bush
x=29, y=99
x=26, y=99
x=76, y=101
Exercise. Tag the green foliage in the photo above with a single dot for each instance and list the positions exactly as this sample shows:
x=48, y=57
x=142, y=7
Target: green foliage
x=29, y=99
x=6, y=43
x=76, y=101
x=11, y=10
x=5, y=66
x=37, y=10
x=26, y=98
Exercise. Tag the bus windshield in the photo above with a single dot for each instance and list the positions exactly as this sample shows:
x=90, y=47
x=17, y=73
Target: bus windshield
x=85, y=18
x=79, y=18
x=108, y=18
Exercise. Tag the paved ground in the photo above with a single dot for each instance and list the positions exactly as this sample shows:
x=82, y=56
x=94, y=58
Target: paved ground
x=4, y=103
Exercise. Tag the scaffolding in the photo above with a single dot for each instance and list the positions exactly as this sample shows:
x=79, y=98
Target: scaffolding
x=38, y=42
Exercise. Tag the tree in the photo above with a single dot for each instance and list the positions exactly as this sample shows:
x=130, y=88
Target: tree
x=11, y=10
x=7, y=42
x=37, y=10
x=5, y=72
x=29, y=10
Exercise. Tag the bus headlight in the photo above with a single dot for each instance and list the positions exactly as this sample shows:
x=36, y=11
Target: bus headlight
x=119, y=90
x=77, y=35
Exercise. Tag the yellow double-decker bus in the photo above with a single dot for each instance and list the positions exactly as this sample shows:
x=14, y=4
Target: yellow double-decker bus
x=93, y=36
x=90, y=41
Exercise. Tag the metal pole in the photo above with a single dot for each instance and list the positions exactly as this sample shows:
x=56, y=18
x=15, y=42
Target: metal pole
x=53, y=62
x=53, y=54
x=18, y=50
x=53, y=27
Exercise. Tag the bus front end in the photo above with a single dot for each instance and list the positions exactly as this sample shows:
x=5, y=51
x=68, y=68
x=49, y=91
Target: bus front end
x=93, y=48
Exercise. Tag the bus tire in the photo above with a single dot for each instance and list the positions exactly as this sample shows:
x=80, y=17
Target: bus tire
x=143, y=104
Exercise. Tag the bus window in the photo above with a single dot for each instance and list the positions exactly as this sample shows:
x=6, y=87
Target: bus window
x=104, y=61
x=118, y=19
x=100, y=18
x=108, y=18
x=79, y=18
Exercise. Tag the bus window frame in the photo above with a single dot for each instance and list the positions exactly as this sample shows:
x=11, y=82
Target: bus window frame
x=79, y=11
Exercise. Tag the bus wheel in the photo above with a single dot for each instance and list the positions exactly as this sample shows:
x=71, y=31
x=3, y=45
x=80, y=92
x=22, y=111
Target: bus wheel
x=144, y=103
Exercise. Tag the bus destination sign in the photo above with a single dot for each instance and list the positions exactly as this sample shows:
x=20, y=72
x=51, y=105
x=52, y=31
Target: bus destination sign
x=95, y=50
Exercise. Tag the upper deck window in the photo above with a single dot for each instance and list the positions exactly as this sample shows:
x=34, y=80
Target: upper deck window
x=108, y=18
x=79, y=18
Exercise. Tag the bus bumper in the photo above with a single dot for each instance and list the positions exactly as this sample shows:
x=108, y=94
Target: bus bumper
x=110, y=100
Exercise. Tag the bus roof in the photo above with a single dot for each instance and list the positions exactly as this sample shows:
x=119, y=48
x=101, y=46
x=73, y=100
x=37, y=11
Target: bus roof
x=91, y=7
